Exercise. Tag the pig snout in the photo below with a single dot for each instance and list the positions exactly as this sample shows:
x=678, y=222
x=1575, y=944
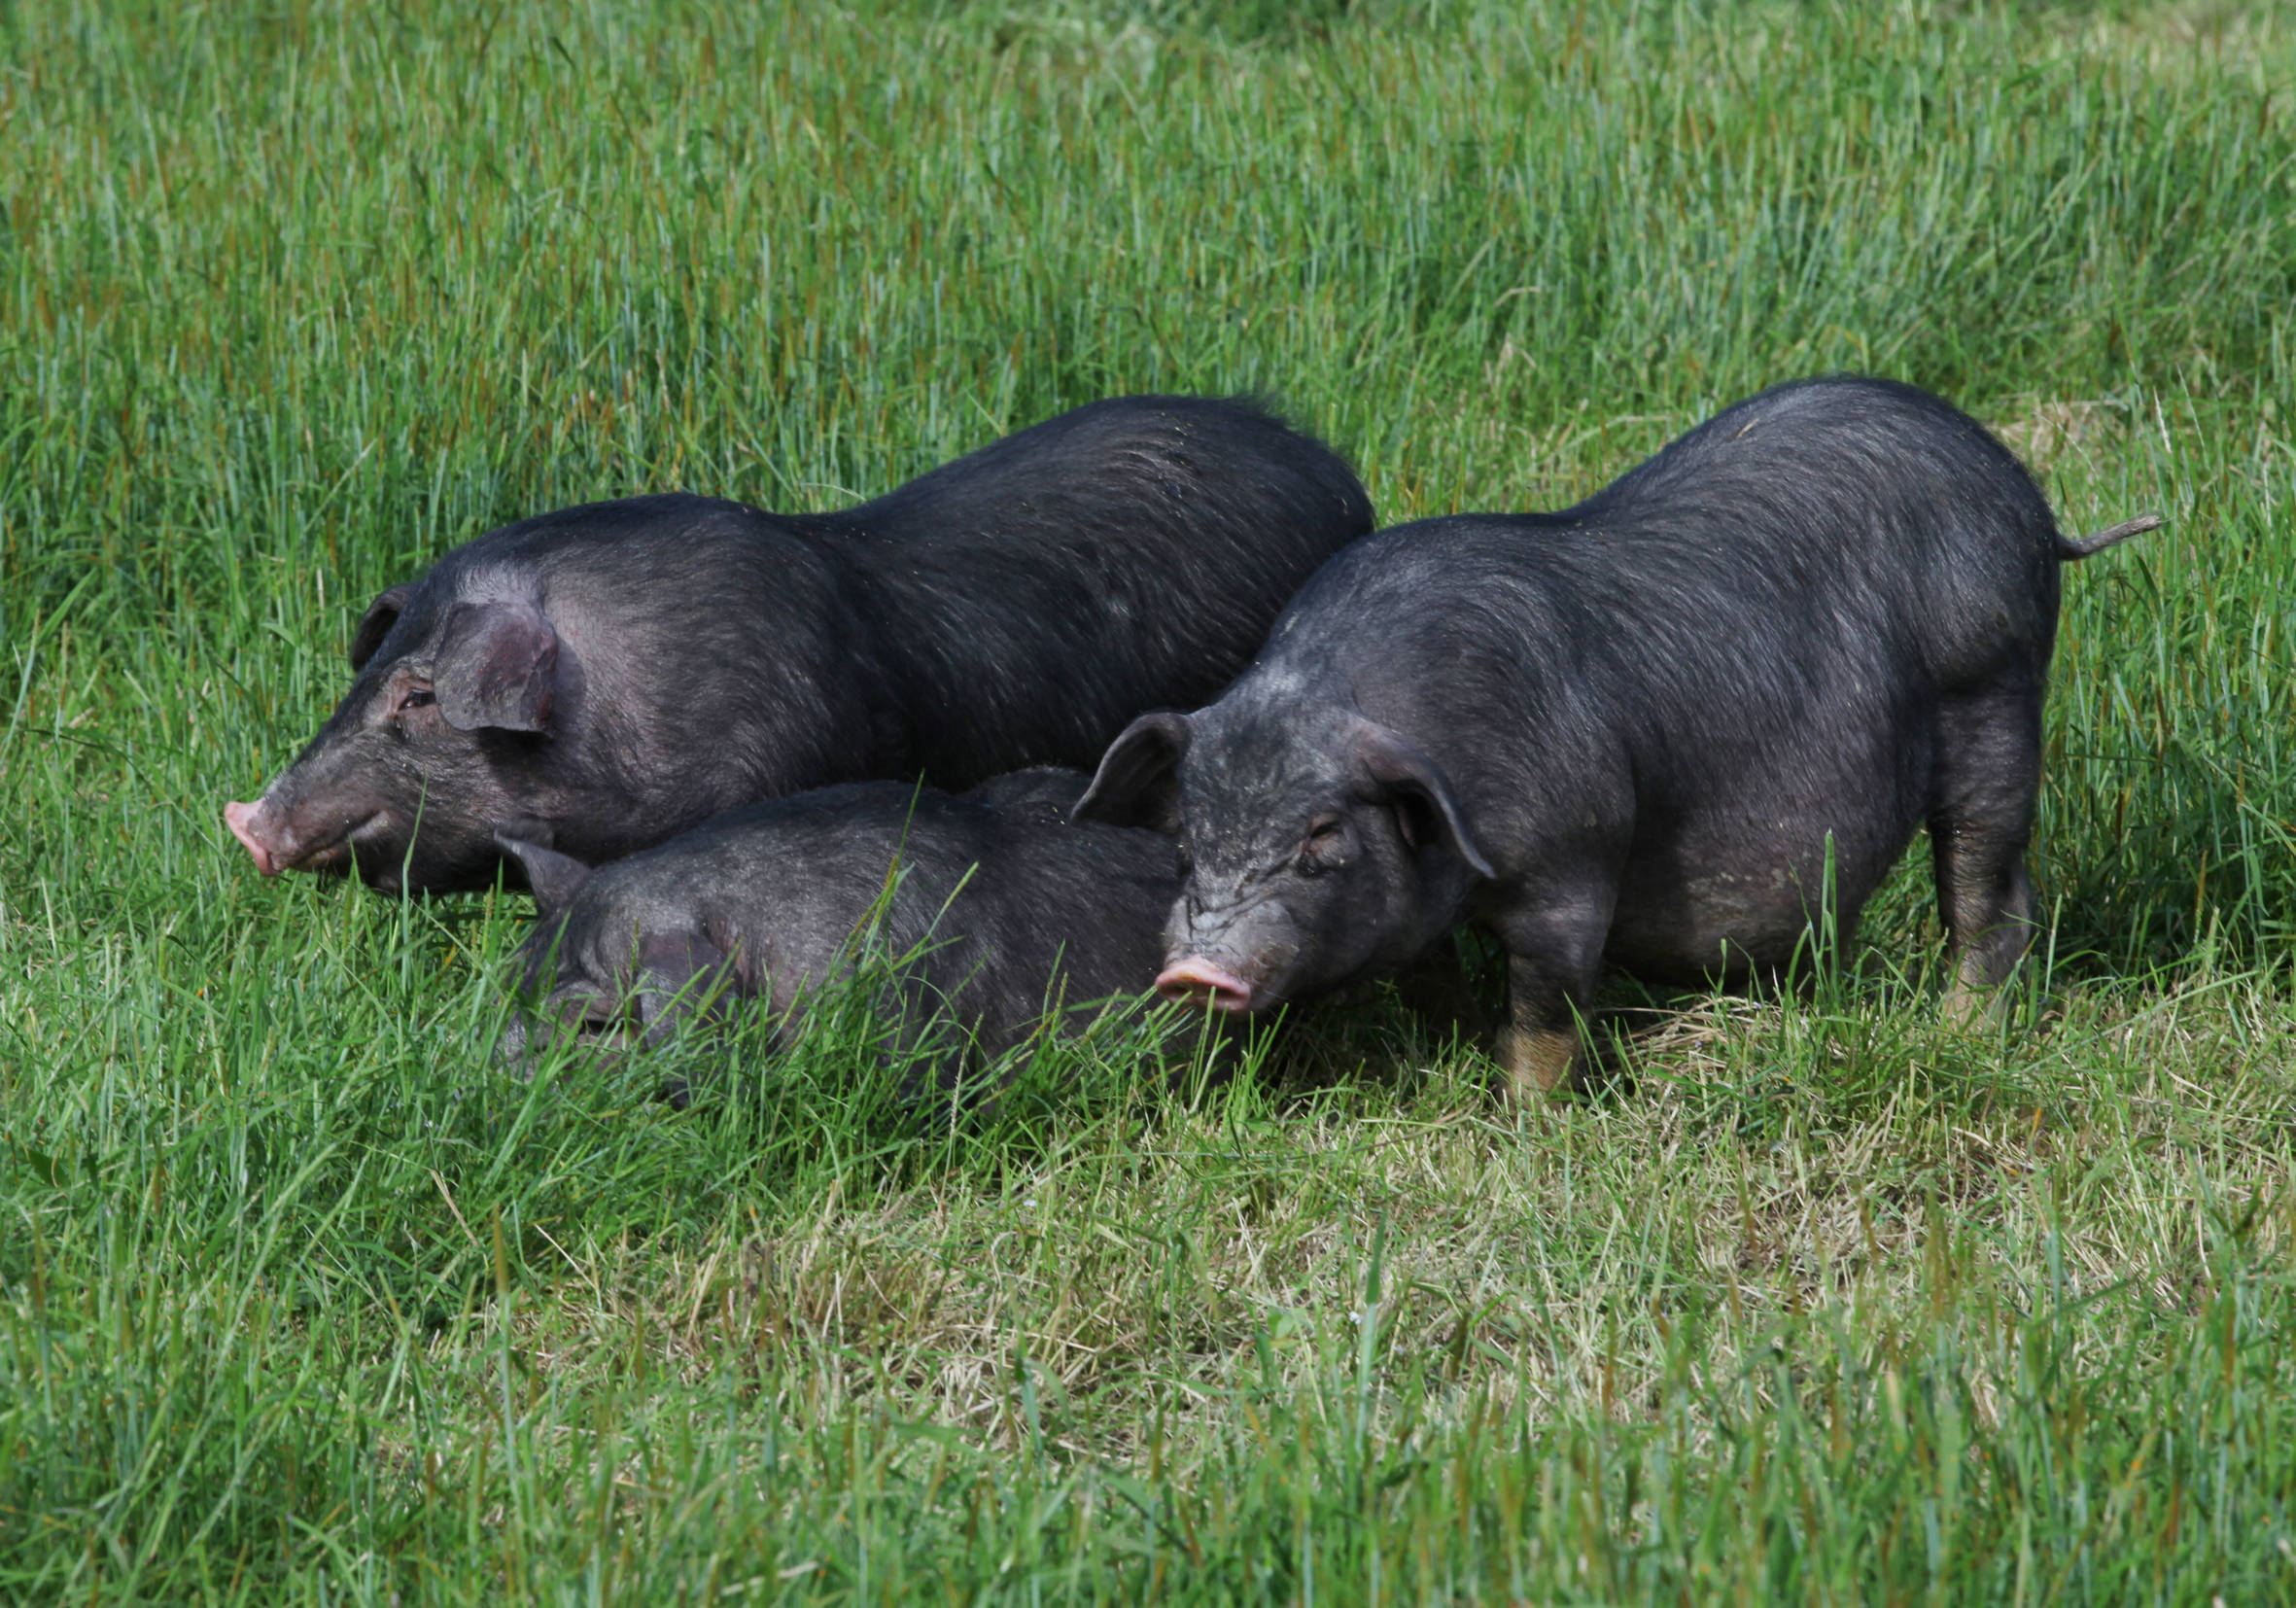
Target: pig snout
x=1229, y=953
x=1196, y=981
x=280, y=840
x=248, y=825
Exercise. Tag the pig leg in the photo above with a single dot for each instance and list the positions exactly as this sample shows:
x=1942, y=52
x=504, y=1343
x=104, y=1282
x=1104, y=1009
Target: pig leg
x=1988, y=772
x=1435, y=989
x=1553, y=960
x=1537, y=1060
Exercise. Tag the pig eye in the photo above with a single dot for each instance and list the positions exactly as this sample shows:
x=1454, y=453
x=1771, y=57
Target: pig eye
x=1321, y=849
x=414, y=695
x=602, y=1023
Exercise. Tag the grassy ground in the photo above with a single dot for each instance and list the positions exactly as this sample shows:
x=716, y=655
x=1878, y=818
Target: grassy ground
x=302, y=1299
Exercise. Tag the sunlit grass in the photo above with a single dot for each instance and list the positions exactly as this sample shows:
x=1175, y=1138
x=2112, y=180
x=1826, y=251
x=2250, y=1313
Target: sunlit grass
x=303, y=1295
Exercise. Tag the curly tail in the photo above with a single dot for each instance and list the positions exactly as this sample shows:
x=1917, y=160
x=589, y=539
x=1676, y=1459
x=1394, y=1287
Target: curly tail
x=2069, y=549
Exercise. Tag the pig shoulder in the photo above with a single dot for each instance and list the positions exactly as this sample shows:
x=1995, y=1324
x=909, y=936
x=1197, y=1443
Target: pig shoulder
x=676, y=695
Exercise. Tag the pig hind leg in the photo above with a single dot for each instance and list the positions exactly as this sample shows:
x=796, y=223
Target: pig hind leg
x=1989, y=759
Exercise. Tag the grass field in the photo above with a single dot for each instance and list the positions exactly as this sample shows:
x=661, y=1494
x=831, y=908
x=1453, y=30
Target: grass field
x=304, y=1299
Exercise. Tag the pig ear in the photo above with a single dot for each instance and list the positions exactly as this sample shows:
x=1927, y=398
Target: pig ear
x=1419, y=783
x=555, y=877
x=675, y=974
x=672, y=960
x=496, y=666
x=375, y=624
x=1139, y=782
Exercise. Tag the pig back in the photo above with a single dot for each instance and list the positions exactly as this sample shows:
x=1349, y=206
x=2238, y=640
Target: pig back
x=995, y=907
x=1008, y=910
x=1760, y=623
x=1030, y=599
x=1853, y=507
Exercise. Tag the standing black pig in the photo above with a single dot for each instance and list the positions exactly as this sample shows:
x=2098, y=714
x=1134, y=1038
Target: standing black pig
x=1014, y=908
x=1645, y=730
x=599, y=678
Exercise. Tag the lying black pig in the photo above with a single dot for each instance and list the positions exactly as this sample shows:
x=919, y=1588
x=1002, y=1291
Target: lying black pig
x=599, y=678
x=1644, y=731
x=1016, y=911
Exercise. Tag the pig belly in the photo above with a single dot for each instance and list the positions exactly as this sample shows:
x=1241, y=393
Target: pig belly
x=1736, y=889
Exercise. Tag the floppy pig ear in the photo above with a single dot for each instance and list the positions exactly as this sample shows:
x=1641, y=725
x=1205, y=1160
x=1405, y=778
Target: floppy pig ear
x=676, y=973
x=1403, y=770
x=496, y=666
x=1139, y=782
x=375, y=624
x=554, y=878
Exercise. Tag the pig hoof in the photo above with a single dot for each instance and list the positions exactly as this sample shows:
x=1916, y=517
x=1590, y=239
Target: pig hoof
x=1970, y=1007
x=1537, y=1061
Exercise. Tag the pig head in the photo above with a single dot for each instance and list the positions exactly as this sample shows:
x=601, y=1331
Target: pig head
x=1320, y=846
x=585, y=974
x=444, y=740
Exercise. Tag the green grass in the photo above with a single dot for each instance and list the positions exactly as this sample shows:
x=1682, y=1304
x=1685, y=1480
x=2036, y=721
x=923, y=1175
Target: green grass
x=304, y=1299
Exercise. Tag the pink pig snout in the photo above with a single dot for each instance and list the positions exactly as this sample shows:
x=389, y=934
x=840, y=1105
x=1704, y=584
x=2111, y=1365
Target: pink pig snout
x=245, y=823
x=1198, y=982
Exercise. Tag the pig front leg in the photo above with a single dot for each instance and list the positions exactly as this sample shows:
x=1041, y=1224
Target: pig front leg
x=1537, y=1061
x=1435, y=991
x=1553, y=962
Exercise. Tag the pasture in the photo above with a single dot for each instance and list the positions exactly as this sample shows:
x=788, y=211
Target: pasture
x=303, y=1298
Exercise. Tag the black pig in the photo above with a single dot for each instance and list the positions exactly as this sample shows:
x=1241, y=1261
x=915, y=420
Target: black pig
x=1644, y=731
x=1014, y=909
x=599, y=678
